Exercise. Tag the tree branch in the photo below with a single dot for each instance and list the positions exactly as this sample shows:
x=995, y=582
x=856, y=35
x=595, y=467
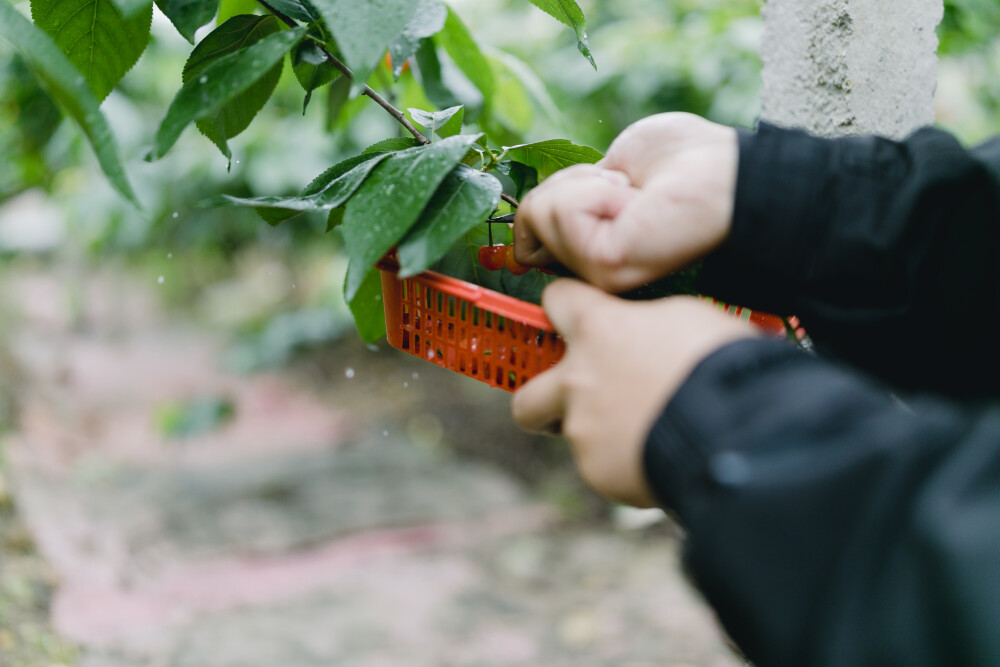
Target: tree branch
x=346, y=71
x=375, y=97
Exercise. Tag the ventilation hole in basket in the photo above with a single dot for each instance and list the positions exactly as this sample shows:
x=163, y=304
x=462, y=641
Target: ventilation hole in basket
x=451, y=306
x=416, y=344
x=486, y=370
x=405, y=345
x=461, y=363
x=499, y=379
x=440, y=297
x=406, y=288
x=406, y=315
x=513, y=355
x=511, y=379
x=500, y=323
x=440, y=354
x=440, y=327
x=489, y=320
x=475, y=367
x=451, y=332
x=540, y=339
x=463, y=310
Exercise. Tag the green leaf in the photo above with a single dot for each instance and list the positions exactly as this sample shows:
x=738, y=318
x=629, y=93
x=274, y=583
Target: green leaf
x=446, y=123
x=335, y=219
x=512, y=107
x=296, y=9
x=548, y=157
x=568, y=12
x=459, y=44
x=312, y=68
x=236, y=34
x=392, y=144
x=428, y=21
x=130, y=8
x=338, y=104
x=390, y=202
x=363, y=30
x=367, y=307
x=219, y=82
x=97, y=39
x=464, y=200
x=524, y=177
x=329, y=190
x=69, y=88
x=230, y=8
x=275, y=215
x=188, y=15
x=433, y=81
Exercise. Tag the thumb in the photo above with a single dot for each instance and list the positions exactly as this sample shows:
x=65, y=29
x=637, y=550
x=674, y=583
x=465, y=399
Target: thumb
x=567, y=301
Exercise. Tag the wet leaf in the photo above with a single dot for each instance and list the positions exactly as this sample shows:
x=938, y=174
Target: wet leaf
x=446, y=123
x=464, y=200
x=69, y=88
x=100, y=42
x=548, y=157
x=188, y=15
x=234, y=116
x=363, y=30
x=368, y=308
x=220, y=81
x=329, y=190
x=428, y=21
x=568, y=12
x=392, y=199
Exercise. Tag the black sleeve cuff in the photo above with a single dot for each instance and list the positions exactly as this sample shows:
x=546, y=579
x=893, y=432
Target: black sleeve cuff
x=689, y=445
x=782, y=191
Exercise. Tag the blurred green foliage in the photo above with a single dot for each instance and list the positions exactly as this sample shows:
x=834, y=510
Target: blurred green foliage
x=652, y=56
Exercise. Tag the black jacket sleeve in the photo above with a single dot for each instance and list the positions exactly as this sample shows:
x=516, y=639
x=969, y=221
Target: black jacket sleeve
x=828, y=523
x=889, y=252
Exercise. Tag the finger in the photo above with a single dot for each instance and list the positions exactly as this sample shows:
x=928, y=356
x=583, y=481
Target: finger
x=540, y=404
x=558, y=219
x=529, y=248
x=567, y=302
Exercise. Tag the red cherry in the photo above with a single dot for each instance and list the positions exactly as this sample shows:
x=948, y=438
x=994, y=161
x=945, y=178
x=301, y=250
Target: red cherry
x=512, y=264
x=492, y=257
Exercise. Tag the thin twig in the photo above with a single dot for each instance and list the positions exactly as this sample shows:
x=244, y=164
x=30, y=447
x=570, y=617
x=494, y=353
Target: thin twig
x=346, y=71
x=375, y=97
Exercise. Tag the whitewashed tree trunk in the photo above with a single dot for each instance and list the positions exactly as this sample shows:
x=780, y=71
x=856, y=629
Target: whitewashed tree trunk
x=837, y=67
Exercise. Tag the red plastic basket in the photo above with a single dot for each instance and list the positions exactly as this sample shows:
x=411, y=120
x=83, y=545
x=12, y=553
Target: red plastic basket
x=483, y=334
x=472, y=330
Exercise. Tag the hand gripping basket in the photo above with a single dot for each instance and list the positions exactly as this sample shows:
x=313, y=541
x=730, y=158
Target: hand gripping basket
x=478, y=332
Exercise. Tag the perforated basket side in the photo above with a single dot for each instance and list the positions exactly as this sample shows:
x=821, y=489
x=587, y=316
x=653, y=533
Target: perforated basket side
x=468, y=329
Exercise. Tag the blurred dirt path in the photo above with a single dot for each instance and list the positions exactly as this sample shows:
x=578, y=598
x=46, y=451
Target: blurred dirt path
x=313, y=528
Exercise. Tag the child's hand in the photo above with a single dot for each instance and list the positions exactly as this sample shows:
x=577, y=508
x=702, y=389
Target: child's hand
x=624, y=361
x=661, y=199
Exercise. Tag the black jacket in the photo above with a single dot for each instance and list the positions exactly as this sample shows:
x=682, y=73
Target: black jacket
x=844, y=509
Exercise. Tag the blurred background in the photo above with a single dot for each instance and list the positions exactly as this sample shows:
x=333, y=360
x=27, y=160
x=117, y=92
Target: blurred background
x=201, y=464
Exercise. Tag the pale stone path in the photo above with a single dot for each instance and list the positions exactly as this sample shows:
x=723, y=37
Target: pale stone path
x=310, y=530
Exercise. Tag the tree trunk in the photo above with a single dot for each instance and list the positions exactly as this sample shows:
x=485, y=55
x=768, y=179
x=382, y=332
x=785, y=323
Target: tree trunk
x=837, y=67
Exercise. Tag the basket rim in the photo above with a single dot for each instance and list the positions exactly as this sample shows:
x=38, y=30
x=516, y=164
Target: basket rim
x=481, y=297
